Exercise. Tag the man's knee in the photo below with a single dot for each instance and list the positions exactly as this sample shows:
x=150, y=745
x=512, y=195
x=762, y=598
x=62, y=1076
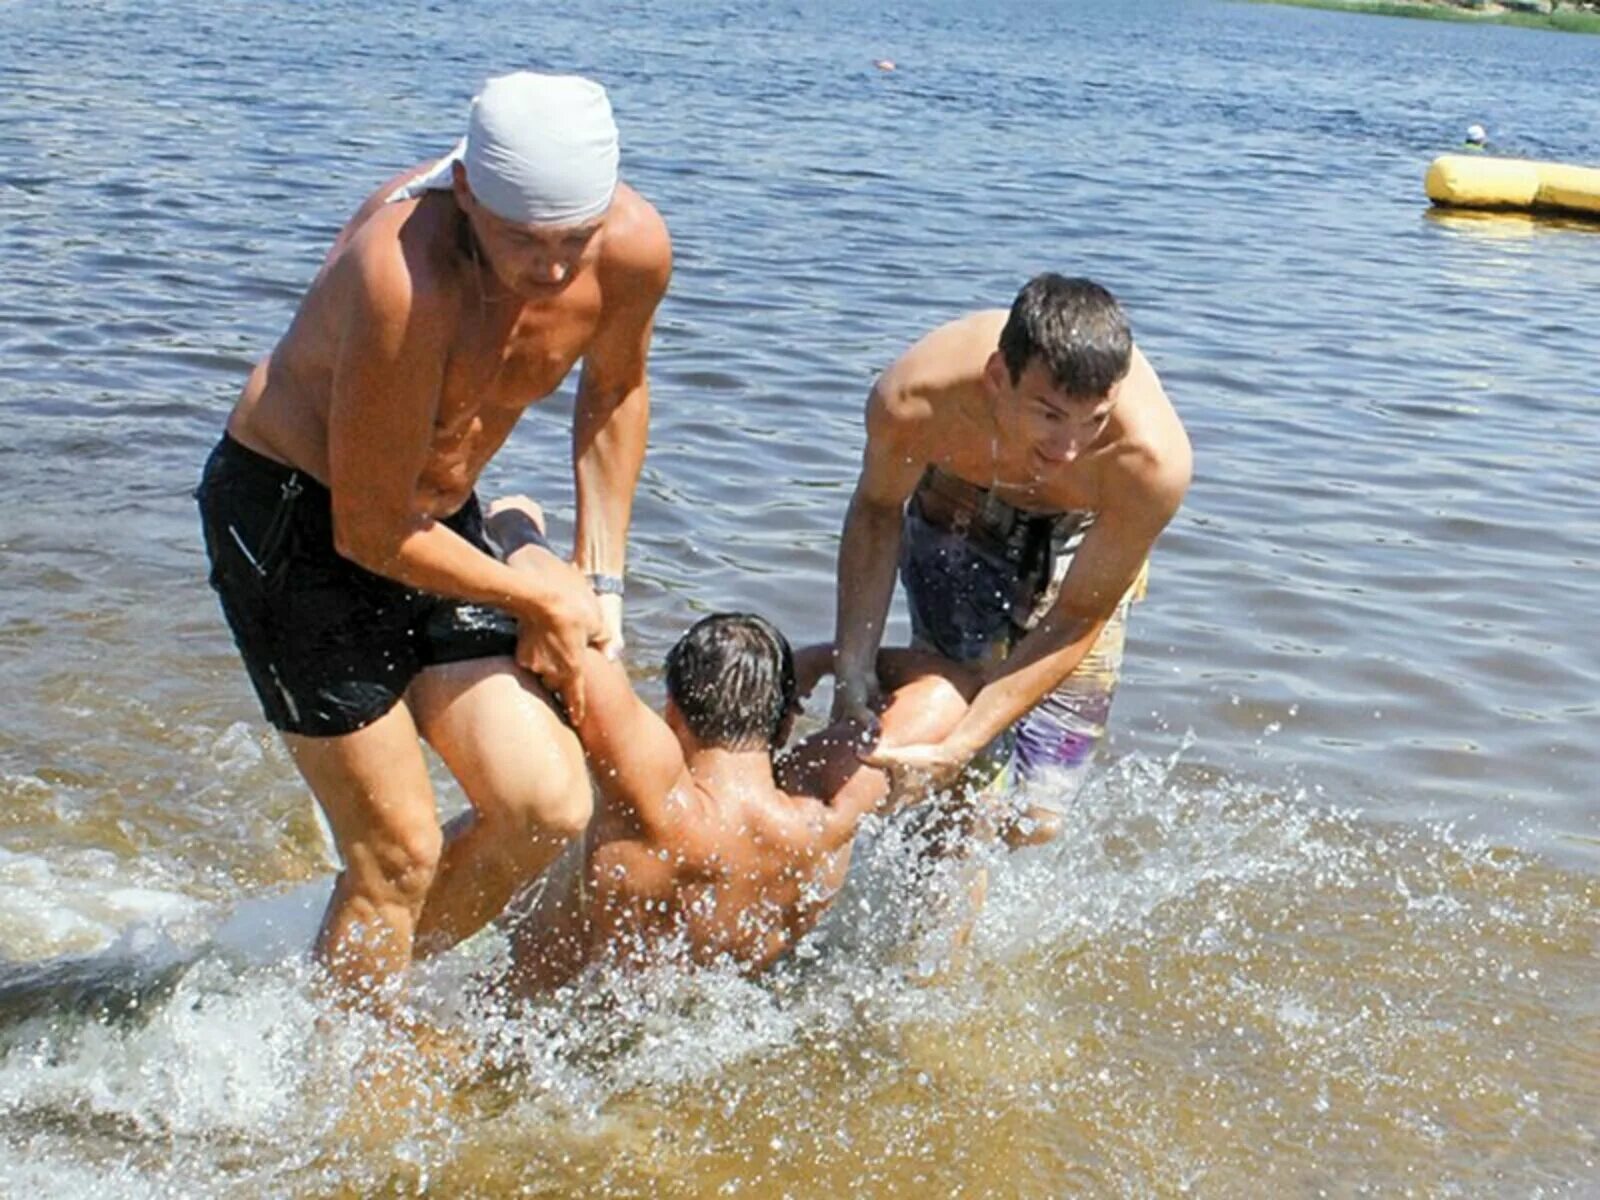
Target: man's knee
x=565, y=815
x=396, y=866
x=942, y=699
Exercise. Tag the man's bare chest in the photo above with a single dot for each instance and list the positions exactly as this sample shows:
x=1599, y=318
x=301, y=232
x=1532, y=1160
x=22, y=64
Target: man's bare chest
x=495, y=365
x=1025, y=485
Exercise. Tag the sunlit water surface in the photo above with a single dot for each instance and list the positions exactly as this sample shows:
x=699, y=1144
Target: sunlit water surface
x=1325, y=923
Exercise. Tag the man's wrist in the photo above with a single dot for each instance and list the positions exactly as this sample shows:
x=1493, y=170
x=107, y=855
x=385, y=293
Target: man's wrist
x=850, y=668
x=850, y=683
x=960, y=746
x=603, y=583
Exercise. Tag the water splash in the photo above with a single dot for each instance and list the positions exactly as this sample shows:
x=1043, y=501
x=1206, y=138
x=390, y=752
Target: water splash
x=1201, y=987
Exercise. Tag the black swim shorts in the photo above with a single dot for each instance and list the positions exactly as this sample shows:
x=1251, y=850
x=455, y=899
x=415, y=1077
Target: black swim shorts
x=330, y=646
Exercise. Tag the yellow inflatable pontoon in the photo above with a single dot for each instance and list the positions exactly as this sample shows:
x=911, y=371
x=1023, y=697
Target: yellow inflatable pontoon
x=1472, y=181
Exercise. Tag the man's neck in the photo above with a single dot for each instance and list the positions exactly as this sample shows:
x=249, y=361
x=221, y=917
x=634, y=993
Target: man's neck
x=730, y=773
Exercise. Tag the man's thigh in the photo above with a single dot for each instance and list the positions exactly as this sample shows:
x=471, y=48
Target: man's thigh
x=1059, y=736
x=499, y=732
x=373, y=786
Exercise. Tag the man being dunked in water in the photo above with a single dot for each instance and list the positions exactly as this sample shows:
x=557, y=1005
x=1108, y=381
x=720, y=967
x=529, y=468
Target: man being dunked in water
x=345, y=538
x=711, y=843
x=1019, y=467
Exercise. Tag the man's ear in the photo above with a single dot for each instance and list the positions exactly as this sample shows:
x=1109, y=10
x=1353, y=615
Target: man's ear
x=673, y=716
x=458, y=182
x=995, y=372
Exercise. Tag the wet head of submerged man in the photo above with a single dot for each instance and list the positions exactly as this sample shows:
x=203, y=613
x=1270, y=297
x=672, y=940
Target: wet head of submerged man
x=708, y=845
x=731, y=685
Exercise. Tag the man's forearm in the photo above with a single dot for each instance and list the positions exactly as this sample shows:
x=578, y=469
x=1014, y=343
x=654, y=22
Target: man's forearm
x=432, y=557
x=869, y=549
x=1038, y=665
x=608, y=448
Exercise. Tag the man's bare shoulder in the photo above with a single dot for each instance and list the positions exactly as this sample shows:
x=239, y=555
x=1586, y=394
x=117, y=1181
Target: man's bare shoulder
x=683, y=825
x=787, y=824
x=638, y=248
x=1152, y=457
x=376, y=201
x=940, y=368
x=404, y=260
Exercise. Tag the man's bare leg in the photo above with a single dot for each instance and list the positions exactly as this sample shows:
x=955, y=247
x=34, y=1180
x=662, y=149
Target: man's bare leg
x=373, y=787
x=523, y=772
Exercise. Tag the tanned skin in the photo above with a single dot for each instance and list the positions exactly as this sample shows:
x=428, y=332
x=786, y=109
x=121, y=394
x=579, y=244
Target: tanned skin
x=721, y=855
x=431, y=327
x=950, y=400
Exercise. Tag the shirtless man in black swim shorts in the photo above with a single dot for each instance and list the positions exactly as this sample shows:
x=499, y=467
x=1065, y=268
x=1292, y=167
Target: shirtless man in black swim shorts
x=346, y=541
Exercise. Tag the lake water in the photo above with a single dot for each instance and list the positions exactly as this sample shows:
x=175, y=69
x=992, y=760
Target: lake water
x=1326, y=922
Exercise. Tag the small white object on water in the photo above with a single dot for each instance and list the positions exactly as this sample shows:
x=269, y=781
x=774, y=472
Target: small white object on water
x=883, y=64
x=1477, y=135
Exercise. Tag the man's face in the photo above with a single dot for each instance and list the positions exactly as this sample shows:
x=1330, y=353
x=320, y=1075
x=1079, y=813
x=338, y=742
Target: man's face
x=535, y=260
x=1042, y=421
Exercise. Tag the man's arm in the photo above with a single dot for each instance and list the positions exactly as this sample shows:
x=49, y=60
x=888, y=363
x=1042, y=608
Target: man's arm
x=636, y=761
x=828, y=764
x=634, y=757
x=611, y=422
x=387, y=381
x=869, y=546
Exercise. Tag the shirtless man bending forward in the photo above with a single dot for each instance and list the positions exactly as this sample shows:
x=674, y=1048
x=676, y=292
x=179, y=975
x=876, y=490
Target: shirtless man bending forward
x=346, y=541
x=1019, y=467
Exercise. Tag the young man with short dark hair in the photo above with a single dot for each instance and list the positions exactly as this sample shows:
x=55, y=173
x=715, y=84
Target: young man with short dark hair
x=1018, y=468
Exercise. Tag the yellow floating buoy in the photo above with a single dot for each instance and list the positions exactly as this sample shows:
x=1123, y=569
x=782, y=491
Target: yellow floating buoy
x=1472, y=181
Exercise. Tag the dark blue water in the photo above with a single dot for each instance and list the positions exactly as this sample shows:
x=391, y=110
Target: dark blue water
x=1367, y=654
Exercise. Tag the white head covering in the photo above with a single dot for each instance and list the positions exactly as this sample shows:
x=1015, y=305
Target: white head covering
x=1477, y=134
x=542, y=149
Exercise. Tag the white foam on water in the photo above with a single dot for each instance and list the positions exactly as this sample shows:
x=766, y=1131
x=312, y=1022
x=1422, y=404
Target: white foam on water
x=1186, y=936
x=80, y=902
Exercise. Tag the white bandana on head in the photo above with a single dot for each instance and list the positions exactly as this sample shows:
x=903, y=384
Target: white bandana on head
x=539, y=150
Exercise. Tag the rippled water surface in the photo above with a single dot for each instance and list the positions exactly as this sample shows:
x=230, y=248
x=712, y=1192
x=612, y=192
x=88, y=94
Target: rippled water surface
x=1327, y=921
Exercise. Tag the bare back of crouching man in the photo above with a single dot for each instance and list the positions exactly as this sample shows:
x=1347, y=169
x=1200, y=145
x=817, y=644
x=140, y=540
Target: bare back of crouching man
x=1019, y=467
x=345, y=537
x=704, y=844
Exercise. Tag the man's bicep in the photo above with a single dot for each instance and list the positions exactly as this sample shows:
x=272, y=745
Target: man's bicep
x=1111, y=557
x=894, y=458
x=617, y=359
x=615, y=362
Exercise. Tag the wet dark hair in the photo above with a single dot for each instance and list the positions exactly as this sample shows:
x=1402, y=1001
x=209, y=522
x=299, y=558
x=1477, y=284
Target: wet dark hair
x=732, y=678
x=1075, y=327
